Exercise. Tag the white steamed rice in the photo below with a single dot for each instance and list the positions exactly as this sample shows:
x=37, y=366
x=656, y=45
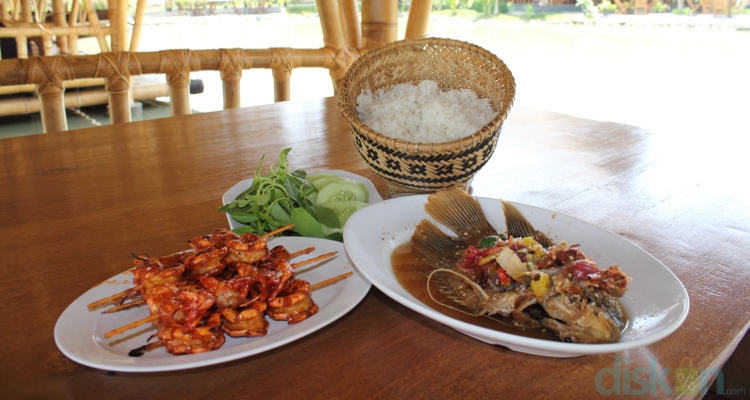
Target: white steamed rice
x=423, y=113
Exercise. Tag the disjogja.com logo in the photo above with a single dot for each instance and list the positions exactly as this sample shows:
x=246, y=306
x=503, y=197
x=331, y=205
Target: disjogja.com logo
x=625, y=379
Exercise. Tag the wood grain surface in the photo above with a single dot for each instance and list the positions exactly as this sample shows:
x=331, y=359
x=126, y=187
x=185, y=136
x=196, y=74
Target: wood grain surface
x=76, y=204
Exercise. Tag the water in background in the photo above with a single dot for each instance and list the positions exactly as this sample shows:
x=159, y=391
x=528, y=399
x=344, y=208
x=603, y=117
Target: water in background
x=645, y=76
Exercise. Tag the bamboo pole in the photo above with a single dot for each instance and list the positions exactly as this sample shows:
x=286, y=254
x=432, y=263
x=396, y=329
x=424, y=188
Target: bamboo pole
x=419, y=19
x=31, y=88
x=350, y=23
x=231, y=64
x=5, y=10
x=118, y=20
x=140, y=13
x=58, y=19
x=117, y=68
x=26, y=11
x=94, y=23
x=22, y=46
x=33, y=29
x=17, y=10
x=379, y=23
x=78, y=99
x=75, y=8
x=330, y=23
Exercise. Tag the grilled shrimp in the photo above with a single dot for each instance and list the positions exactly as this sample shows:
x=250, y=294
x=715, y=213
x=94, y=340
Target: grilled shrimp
x=203, y=338
x=247, y=322
x=293, y=304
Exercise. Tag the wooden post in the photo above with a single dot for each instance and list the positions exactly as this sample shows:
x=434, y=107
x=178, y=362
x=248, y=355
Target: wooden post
x=26, y=11
x=283, y=62
x=117, y=69
x=231, y=64
x=22, y=46
x=94, y=22
x=177, y=64
x=419, y=19
x=118, y=19
x=333, y=36
x=350, y=23
x=72, y=22
x=379, y=22
x=4, y=14
x=140, y=13
x=49, y=73
x=58, y=19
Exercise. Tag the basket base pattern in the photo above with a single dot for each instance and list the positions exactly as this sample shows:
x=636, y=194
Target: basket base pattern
x=425, y=171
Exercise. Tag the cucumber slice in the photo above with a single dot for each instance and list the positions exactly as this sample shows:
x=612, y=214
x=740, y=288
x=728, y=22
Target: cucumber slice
x=344, y=209
x=320, y=183
x=342, y=189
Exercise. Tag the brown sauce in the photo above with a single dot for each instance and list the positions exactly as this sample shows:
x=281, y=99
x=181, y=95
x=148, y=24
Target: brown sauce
x=411, y=273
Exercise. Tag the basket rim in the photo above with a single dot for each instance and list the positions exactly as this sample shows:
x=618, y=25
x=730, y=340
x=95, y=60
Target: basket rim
x=491, y=128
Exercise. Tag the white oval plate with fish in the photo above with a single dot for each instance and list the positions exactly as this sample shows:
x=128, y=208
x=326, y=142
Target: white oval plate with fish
x=231, y=194
x=656, y=301
x=79, y=333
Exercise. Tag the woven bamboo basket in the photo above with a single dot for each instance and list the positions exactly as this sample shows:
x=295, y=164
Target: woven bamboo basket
x=411, y=168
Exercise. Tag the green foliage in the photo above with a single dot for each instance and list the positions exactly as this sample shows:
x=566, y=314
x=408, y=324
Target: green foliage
x=528, y=13
x=458, y=13
x=660, y=7
x=277, y=199
x=505, y=7
x=458, y=5
x=487, y=7
x=607, y=7
x=480, y=6
x=588, y=8
x=684, y=11
x=301, y=8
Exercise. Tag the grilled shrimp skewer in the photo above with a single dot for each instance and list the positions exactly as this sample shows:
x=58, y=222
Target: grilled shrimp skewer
x=227, y=284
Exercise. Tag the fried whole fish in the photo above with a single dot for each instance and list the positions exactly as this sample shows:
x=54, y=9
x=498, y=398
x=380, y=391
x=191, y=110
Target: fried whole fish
x=521, y=275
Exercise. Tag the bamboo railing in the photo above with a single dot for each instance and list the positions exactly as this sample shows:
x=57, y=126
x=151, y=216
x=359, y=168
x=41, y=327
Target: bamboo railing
x=343, y=43
x=20, y=23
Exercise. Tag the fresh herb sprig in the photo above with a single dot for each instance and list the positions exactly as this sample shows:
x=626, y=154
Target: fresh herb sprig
x=280, y=198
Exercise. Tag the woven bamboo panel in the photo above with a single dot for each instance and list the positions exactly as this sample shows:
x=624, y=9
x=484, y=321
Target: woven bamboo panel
x=417, y=167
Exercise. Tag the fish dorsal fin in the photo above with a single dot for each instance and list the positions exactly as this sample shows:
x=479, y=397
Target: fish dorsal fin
x=520, y=227
x=461, y=213
x=436, y=247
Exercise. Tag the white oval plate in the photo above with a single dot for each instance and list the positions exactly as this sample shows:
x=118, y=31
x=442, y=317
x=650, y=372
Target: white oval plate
x=241, y=186
x=79, y=333
x=656, y=301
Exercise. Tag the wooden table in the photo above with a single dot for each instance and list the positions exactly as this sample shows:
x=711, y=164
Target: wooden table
x=76, y=204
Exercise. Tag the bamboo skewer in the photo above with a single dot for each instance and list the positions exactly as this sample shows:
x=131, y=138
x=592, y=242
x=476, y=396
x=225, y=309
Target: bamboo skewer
x=118, y=296
x=331, y=281
x=125, y=306
x=139, y=351
x=152, y=318
x=139, y=301
x=314, y=259
x=302, y=252
x=113, y=298
x=131, y=326
x=275, y=231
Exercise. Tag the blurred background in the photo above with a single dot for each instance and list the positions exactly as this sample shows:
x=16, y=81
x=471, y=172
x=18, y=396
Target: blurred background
x=672, y=66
